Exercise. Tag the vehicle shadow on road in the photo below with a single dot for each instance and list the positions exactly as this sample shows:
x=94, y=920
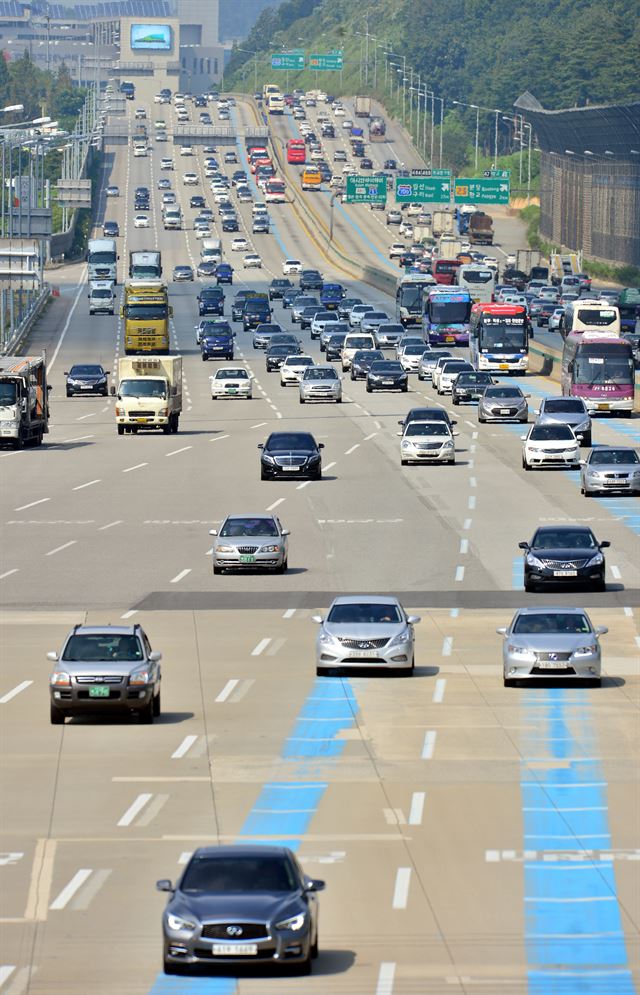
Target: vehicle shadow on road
x=120, y=719
x=426, y=671
x=328, y=962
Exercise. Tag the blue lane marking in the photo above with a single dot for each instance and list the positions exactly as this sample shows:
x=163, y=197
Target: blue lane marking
x=283, y=810
x=623, y=509
x=573, y=928
x=517, y=573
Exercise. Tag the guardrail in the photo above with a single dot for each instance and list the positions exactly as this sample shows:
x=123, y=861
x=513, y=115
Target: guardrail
x=17, y=334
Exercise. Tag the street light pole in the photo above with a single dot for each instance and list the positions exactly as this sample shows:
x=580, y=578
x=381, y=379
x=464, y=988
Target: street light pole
x=441, y=99
x=495, y=142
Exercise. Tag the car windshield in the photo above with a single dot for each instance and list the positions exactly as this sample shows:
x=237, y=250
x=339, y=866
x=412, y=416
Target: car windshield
x=551, y=433
x=143, y=388
x=279, y=350
x=416, y=428
x=284, y=441
x=238, y=875
x=336, y=340
x=471, y=378
x=414, y=350
x=386, y=367
x=103, y=647
x=567, y=539
x=363, y=613
x=502, y=393
x=551, y=622
x=613, y=456
x=249, y=527
x=8, y=393
x=85, y=371
x=313, y=373
x=564, y=405
x=231, y=375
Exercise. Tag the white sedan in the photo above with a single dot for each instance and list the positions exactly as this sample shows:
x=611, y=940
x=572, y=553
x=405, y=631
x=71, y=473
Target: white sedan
x=190, y=179
x=291, y=266
x=550, y=445
x=141, y=221
x=292, y=370
x=239, y=244
x=230, y=381
x=252, y=261
x=397, y=249
x=186, y=150
x=338, y=110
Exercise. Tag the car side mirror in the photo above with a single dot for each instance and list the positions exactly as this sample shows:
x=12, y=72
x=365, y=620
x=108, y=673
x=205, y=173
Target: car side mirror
x=414, y=619
x=583, y=462
x=164, y=885
x=286, y=532
x=537, y=411
x=502, y=631
x=213, y=532
x=523, y=438
x=605, y=544
x=318, y=619
x=261, y=445
x=155, y=657
x=53, y=656
x=66, y=373
x=601, y=630
x=523, y=545
x=455, y=433
x=112, y=391
x=312, y=884
x=107, y=373
x=321, y=445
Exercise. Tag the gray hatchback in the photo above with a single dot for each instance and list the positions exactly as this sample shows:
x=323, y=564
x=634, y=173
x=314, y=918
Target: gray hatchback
x=105, y=668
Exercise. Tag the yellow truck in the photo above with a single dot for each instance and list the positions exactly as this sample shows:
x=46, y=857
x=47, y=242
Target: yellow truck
x=146, y=312
x=149, y=393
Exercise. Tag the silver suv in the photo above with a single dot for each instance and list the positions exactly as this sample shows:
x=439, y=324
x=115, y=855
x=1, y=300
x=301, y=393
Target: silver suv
x=105, y=668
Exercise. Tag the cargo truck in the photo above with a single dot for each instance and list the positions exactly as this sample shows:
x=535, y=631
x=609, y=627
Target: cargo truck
x=481, y=228
x=102, y=259
x=146, y=312
x=24, y=400
x=362, y=106
x=149, y=393
x=449, y=246
x=377, y=129
x=145, y=265
x=442, y=223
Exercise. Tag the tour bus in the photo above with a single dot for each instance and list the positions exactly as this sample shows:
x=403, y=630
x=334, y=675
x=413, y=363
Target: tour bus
x=599, y=369
x=446, y=316
x=629, y=307
x=591, y=314
x=499, y=337
x=268, y=89
x=296, y=151
x=479, y=280
x=274, y=191
x=410, y=291
x=275, y=103
x=444, y=270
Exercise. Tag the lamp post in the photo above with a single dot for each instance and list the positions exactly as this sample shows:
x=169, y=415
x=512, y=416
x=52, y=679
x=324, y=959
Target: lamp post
x=477, y=110
x=247, y=51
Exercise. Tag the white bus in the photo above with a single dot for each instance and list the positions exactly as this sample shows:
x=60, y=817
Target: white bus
x=591, y=315
x=479, y=280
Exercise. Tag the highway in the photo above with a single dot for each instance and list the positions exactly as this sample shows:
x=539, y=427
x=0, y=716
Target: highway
x=431, y=806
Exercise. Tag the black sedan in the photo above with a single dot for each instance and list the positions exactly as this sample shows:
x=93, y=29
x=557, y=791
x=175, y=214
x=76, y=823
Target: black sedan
x=111, y=229
x=366, y=163
x=290, y=454
x=564, y=555
x=387, y=374
x=390, y=164
x=275, y=357
x=197, y=201
x=207, y=267
x=243, y=904
x=362, y=360
x=277, y=288
x=310, y=279
x=289, y=296
x=470, y=386
x=333, y=348
x=230, y=224
x=87, y=378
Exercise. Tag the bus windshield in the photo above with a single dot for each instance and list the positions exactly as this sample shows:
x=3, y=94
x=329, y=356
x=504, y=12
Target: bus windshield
x=499, y=336
x=411, y=296
x=597, y=365
x=449, y=312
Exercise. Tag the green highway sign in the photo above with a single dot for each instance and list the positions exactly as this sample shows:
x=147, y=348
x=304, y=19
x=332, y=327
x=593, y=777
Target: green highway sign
x=366, y=189
x=287, y=60
x=478, y=190
x=443, y=174
x=332, y=60
x=500, y=174
x=423, y=189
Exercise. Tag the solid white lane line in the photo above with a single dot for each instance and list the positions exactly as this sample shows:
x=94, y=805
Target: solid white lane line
x=138, y=466
x=217, y=438
x=372, y=436
x=290, y=612
x=459, y=574
x=262, y=645
x=417, y=808
x=69, y=890
x=78, y=438
x=103, y=528
x=134, y=809
x=464, y=546
x=386, y=977
x=447, y=645
x=32, y=504
x=6, y=970
x=616, y=572
x=8, y=573
x=330, y=466
x=438, y=691
x=130, y=613
x=429, y=744
x=180, y=576
x=275, y=504
x=228, y=689
x=58, y=549
x=401, y=889
x=305, y=483
x=352, y=450
x=81, y=287
x=14, y=691
x=184, y=747
x=175, y=452
x=89, y=483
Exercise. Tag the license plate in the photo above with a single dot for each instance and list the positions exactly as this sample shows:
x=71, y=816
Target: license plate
x=247, y=558
x=503, y=366
x=603, y=407
x=387, y=383
x=449, y=338
x=504, y=411
x=231, y=390
x=234, y=949
x=99, y=691
x=86, y=386
x=367, y=653
x=141, y=419
x=565, y=573
x=552, y=665
x=290, y=469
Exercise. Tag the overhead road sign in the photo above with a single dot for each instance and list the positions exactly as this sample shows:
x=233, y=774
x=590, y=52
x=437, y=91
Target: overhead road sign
x=477, y=190
x=330, y=61
x=366, y=190
x=423, y=189
x=443, y=174
x=500, y=174
x=287, y=60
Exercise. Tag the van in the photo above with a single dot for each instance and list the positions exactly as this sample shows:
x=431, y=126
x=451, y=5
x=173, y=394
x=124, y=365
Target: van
x=172, y=219
x=211, y=248
x=101, y=297
x=353, y=342
x=311, y=178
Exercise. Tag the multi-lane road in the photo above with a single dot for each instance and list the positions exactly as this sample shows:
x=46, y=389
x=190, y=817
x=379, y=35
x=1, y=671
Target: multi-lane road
x=473, y=838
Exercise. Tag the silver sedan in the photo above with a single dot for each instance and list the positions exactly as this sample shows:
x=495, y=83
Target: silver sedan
x=503, y=403
x=551, y=643
x=570, y=411
x=320, y=383
x=365, y=631
x=610, y=469
x=250, y=542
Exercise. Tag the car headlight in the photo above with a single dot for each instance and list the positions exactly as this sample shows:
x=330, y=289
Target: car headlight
x=636, y=473
x=326, y=638
x=402, y=637
x=177, y=922
x=267, y=458
x=225, y=549
x=269, y=549
x=293, y=922
x=584, y=651
x=596, y=560
x=533, y=561
x=597, y=474
x=60, y=679
x=140, y=676
x=520, y=652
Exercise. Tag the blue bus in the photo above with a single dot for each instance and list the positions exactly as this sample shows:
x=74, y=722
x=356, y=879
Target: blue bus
x=446, y=317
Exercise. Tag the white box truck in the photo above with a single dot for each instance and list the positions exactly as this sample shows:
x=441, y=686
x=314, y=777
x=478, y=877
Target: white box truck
x=149, y=393
x=102, y=259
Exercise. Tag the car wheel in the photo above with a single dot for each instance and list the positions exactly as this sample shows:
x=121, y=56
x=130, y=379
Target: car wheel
x=454, y=400
x=263, y=475
x=302, y=400
x=600, y=585
x=146, y=714
x=586, y=440
x=204, y=357
x=338, y=400
x=217, y=570
x=169, y=968
x=529, y=587
x=404, y=462
x=369, y=389
x=322, y=671
x=481, y=420
x=317, y=475
x=120, y=429
x=314, y=947
x=156, y=705
x=57, y=716
x=304, y=968
x=509, y=682
x=525, y=465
